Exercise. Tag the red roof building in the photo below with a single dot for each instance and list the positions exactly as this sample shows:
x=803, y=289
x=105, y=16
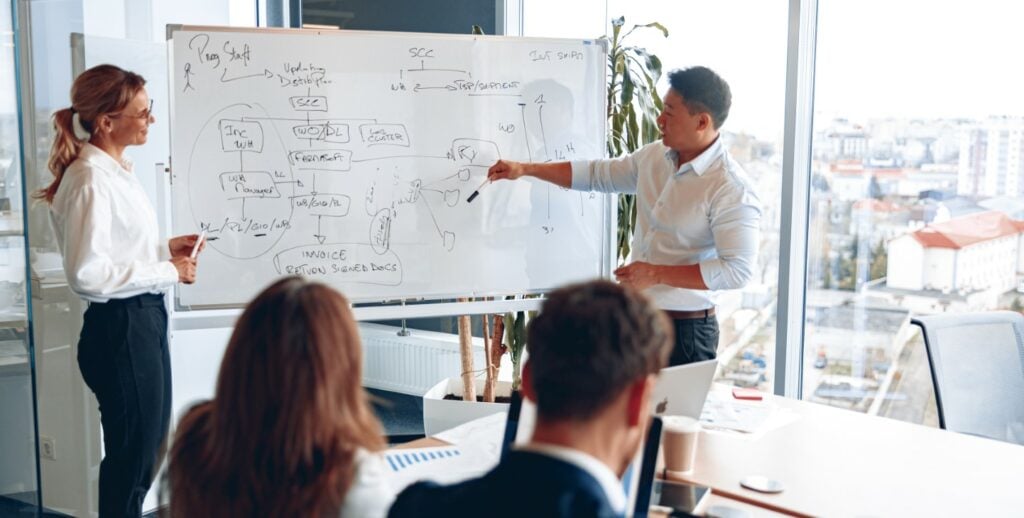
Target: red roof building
x=983, y=251
x=968, y=230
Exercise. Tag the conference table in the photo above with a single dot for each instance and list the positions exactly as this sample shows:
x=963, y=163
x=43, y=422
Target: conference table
x=834, y=462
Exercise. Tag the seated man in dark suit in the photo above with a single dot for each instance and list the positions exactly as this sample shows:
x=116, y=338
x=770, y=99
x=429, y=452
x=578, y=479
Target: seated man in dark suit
x=594, y=355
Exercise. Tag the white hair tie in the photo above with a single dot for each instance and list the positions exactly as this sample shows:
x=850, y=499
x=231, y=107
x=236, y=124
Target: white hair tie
x=76, y=125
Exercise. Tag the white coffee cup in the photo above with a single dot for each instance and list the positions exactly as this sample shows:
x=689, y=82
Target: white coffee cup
x=679, y=442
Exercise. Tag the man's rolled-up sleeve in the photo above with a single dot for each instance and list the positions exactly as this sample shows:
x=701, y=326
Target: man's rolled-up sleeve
x=618, y=175
x=736, y=227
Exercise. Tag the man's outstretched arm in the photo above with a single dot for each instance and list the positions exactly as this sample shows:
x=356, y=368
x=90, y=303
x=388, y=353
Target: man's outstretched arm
x=558, y=173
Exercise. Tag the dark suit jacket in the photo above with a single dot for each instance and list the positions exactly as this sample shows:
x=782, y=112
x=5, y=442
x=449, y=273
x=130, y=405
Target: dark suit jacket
x=524, y=485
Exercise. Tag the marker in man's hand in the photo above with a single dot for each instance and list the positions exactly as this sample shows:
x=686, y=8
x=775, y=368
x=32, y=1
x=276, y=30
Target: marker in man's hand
x=199, y=242
x=478, y=189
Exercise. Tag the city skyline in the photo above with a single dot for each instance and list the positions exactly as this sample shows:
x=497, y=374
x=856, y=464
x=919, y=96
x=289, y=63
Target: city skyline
x=875, y=58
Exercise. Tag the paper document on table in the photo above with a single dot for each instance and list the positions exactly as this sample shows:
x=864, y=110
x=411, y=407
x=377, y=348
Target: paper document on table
x=487, y=430
x=731, y=415
x=442, y=464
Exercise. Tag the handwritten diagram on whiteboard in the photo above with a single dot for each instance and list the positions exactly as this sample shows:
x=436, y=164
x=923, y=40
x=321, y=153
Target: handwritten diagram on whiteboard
x=348, y=157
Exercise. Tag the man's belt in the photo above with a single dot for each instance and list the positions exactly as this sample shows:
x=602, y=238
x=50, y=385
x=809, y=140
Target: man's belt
x=690, y=315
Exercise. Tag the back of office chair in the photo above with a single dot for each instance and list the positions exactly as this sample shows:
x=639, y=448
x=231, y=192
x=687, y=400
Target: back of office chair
x=977, y=364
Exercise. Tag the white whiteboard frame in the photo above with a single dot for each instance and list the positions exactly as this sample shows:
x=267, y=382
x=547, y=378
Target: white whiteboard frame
x=208, y=315
x=220, y=318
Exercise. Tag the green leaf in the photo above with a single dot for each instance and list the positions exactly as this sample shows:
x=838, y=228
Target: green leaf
x=634, y=130
x=656, y=25
x=510, y=329
x=648, y=62
x=616, y=27
x=648, y=131
x=627, y=88
x=655, y=67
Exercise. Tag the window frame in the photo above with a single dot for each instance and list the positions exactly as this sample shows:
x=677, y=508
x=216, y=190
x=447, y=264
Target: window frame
x=796, y=178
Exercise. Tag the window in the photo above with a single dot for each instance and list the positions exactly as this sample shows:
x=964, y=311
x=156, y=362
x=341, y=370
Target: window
x=924, y=215
x=753, y=131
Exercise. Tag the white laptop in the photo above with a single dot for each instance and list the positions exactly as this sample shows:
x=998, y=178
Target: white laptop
x=681, y=390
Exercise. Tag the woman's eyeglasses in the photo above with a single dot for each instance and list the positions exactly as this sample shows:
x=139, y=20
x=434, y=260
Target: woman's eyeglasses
x=144, y=115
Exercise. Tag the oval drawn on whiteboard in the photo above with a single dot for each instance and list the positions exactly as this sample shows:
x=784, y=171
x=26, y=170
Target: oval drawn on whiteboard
x=380, y=231
x=238, y=182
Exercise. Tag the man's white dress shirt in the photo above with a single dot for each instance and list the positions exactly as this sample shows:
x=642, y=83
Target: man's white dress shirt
x=107, y=231
x=703, y=212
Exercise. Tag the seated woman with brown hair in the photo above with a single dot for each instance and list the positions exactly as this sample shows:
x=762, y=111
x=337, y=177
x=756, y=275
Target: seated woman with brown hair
x=289, y=431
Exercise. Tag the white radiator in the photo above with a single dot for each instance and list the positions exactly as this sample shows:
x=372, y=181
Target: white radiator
x=412, y=364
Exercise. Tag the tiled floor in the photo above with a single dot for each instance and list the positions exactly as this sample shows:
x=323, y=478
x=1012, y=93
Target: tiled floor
x=14, y=506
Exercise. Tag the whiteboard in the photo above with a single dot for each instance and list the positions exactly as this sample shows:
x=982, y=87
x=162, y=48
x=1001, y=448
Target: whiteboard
x=348, y=157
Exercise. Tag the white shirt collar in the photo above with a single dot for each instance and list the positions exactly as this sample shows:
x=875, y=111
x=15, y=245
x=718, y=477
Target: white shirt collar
x=610, y=483
x=101, y=159
x=702, y=163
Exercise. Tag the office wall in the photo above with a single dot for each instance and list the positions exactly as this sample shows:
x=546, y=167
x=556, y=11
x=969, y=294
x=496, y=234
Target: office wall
x=444, y=16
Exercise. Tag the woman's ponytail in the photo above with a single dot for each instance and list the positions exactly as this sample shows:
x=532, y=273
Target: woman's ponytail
x=66, y=147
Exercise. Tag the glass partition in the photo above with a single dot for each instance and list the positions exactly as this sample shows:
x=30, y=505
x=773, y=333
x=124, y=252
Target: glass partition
x=19, y=480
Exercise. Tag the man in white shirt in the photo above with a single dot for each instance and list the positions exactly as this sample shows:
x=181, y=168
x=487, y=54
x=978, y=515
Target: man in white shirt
x=595, y=351
x=698, y=217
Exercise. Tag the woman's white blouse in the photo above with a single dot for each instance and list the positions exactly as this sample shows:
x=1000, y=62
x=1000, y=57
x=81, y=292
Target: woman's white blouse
x=370, y=495
x=107, y=231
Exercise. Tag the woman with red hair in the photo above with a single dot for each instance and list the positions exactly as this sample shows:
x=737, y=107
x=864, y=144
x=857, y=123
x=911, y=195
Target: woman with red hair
x=289, y=431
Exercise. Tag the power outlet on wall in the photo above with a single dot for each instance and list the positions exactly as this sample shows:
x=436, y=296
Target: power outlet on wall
x=47, y=448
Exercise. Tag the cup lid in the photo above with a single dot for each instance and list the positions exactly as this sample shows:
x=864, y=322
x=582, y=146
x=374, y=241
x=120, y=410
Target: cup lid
x=679, y=423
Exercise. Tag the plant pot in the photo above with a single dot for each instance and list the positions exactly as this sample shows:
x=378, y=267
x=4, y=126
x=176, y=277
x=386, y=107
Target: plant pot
x=441, y=414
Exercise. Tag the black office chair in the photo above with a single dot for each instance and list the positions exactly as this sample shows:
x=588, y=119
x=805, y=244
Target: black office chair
x=977, y=364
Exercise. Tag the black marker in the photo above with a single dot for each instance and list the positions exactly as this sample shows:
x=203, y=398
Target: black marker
x=477, y=191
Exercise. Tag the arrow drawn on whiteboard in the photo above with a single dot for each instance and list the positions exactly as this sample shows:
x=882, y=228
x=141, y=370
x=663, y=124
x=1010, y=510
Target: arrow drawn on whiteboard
x=543, y=136
x=419, y=87
x=462, y=175
x=467, y=152
x=544, y=140
x=224, y=79
x=447, y=238
x=526, y=134
x=318, y=236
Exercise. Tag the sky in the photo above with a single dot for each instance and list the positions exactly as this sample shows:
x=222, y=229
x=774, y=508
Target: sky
x=875, y=58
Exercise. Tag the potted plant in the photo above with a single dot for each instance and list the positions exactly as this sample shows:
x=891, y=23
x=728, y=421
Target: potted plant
x=633, y=108
x=447, y=404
